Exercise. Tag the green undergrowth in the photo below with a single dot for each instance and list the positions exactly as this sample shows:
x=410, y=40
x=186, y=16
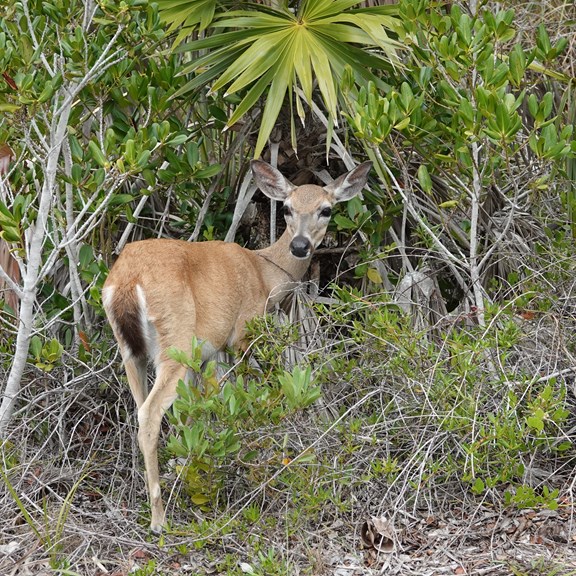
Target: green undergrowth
x=382, y=417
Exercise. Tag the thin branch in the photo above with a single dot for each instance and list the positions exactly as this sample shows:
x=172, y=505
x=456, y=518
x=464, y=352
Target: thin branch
x=451, y=260
x=225, y=161
x=34, y=39
x=101, y=65
x=85, y=228
x=10, y=283
x=245, y=194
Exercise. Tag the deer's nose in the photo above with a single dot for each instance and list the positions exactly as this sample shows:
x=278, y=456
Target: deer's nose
x=300, y=247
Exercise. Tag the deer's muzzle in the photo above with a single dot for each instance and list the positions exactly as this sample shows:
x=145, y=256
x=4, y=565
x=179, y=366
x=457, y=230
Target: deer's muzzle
x=300, y=247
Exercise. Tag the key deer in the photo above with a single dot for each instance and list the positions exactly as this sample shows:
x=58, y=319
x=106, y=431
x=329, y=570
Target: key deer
x=162, y=292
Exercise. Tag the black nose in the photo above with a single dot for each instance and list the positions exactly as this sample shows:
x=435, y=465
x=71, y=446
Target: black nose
x=300, y=247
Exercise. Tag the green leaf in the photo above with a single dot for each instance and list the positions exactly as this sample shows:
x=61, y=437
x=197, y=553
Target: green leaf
x=130, y=151
x=272, y=107
x=118, y=199
x=424, y=179
x=303, y=64
x=6, y=216
x=36, y=347
x=517, y=64
x=10, y=108
x=324, y=76
x=186, y=14
x=10, y=234
x=97, y=153
x=404, y=123
x=46, y=93
x=192, y=154
x=177, y=140
x=143, y=159
x=464, y=29
x=76, y=173
x=257, y=60
x=86, y=255
x=536, y=421
x=547, y=105
x=478, y=487
x=344, y=223
x=467, y=112
x=251, y=97
x=448, y=204
x=209, y=171
x=543, y=40
x=374, y=276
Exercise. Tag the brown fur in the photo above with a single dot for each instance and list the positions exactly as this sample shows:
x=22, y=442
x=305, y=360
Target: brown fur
x=125, y=310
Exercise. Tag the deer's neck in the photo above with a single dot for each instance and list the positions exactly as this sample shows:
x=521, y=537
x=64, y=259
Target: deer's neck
x=281, y=271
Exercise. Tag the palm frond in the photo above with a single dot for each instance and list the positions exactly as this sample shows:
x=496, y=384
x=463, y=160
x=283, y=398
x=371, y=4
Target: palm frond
x=257, y=50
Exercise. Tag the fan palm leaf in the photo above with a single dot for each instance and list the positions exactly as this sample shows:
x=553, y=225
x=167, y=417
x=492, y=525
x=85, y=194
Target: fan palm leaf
x=262, y=51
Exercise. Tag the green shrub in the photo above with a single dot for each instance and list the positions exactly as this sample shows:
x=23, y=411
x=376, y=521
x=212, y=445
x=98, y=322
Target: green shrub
x=214, y=421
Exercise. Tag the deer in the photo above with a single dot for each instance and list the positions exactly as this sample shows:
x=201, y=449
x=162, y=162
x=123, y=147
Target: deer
x=160, y=293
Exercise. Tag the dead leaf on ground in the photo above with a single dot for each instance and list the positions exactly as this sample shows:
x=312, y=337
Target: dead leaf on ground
x=140, y=554
x=378, y=534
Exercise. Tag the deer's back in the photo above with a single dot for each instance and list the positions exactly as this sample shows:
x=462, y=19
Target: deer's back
x=179, y=289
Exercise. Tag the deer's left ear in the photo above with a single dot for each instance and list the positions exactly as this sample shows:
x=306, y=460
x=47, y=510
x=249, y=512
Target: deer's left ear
x=350, y=184
x=270, y=180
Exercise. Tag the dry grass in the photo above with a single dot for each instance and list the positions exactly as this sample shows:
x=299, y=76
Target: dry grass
x=74, y=502
x=77, y=498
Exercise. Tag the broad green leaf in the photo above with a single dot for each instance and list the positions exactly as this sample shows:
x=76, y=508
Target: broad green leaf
x=543, y=40
x=344, y=223
x=535, y=422
x=448, y=204
x=478, y=486
x=9, y=234
x=118, y=199
x=424, y=179
x=209, y=171
x=374, y=276
x=517, y=64
x=36, y=347
x=177, y=140
x=405, y=122
x=6, y=107
x=86, y=255
x=547, y=105
x=97, y=153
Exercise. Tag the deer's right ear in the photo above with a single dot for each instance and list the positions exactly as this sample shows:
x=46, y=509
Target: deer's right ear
x=270, y=180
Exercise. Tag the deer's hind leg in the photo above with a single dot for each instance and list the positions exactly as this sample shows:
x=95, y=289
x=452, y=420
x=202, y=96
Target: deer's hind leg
x=150, y=413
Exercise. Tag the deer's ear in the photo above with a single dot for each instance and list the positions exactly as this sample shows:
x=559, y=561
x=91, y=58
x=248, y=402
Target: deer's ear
x=350, y=184
x=270, y=180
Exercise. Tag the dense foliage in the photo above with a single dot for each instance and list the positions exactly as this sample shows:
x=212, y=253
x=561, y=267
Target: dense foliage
x=436, y=371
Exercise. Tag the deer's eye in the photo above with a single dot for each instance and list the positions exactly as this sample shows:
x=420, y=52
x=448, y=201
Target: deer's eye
x=326, y=212
x=286, y=210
